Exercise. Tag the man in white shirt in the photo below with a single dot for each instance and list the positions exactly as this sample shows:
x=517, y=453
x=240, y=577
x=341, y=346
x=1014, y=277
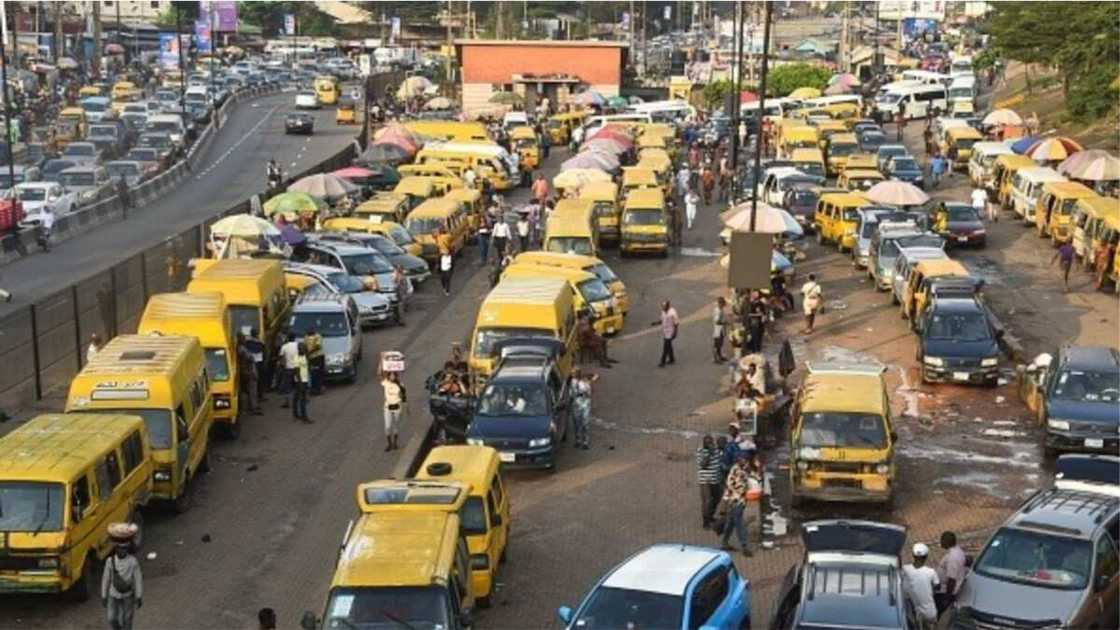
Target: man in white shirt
x=691, y=200
x=980, y=203
x=501, y=236
x=921, y=581
x=812, y=296
x=951, y=571
x=289, y=353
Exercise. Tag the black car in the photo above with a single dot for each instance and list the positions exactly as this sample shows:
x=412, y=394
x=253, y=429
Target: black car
x=200, y=112
x=850, y=576
x=51, y=168
x=801, y=202
x=905, y=168
x=168, y=150
x=523, y=409
x=870, y=140
x=959, y=224
x=957, y=342
x=299, y=122
x=1076, y=394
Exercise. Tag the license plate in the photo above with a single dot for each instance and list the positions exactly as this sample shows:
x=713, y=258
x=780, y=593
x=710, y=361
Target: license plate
x=960, y=376
x=1094, y=443
x=962, y=239
x=507, y=457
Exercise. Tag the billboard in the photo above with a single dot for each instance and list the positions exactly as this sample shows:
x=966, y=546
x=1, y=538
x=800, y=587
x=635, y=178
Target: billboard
x=289, y=24
x=893, y=10
x=225, y=15
x=202, y=36
x=168, y=50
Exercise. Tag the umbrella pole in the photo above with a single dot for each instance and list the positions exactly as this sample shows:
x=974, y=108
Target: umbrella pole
x=761, y=108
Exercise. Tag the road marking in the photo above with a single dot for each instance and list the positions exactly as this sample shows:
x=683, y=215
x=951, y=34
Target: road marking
x=240, y=141
x=292, y=164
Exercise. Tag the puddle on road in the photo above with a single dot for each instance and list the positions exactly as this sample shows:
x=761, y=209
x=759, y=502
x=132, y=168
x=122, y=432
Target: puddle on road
x=699, y=252
x=984, y=482
x=986, y=268
x=1021, y=455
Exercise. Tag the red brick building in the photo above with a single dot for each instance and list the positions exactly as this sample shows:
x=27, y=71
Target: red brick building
x=537, y=68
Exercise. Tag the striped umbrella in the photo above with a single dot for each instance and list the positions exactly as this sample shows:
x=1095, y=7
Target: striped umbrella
x=614, y=134
x=606, y=145
x=591, y=159
x=1094, y=165
x=1053, y=149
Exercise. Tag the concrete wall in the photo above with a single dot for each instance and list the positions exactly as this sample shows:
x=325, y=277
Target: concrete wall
x=497, y=64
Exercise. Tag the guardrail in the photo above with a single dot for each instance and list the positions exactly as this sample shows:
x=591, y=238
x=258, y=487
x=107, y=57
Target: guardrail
x=22, y=243
x=42, y=345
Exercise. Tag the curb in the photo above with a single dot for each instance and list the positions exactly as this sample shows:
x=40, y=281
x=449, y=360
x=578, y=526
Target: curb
x=413, y=453
x=22, y=243
x=1009, y=342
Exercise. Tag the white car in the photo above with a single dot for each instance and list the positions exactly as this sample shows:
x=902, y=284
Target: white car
x=306, y=99
x=38, y=196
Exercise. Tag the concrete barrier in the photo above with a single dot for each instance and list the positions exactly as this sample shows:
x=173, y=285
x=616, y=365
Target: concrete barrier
x=22, y=243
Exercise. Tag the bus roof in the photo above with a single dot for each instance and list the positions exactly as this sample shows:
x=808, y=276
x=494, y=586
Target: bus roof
x=140, y=354
x=469, y=463
x=399, y=549
x=599, y=191
x=941, y=267
x=438, y=207
x=58, y=446
x=854, y=392
x=645, y=198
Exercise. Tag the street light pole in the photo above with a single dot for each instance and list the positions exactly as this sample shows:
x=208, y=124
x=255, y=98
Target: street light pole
x=761, y=108
x=182, y=68
x=8, y=111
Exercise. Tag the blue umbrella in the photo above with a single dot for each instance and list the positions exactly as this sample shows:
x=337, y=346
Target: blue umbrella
x=292, y=236
x=1021, y=145
x=779, y=262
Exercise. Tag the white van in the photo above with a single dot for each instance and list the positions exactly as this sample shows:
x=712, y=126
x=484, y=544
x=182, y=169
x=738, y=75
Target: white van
x=927, y=77
x=984, y=154
x=918, y=100
x=514, y=119
x=961, y=65
x=825, y=101
x=963, y=88
x=1026, y=185
x=775, y=108
x=665, y=111
x=595, y=123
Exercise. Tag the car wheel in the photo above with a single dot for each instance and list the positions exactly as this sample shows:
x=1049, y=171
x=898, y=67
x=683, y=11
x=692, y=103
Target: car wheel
x=185, y=500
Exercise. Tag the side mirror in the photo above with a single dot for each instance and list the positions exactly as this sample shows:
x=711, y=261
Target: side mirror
x=495, y=520
x=565, y=614
x=894, y=436
x=1100, y=583
x=308, y=621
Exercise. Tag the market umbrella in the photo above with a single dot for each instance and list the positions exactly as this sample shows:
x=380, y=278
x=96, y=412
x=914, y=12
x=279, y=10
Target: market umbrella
x=243, y=226
x=837, y=88
x=591, y=159
x=1092, y=165
x=412, y=87
x=613, y=134
x=439, y=102
x=590, y=97
x=617, y=101
x=66, y=63
x=379, y=153
x=896, y=193
x=291, y=204
x=847, y=79
x=609, y=145
x=1000, y=117
x=1021, y=145
x=292, y=236
x=324, y=186
x=114, y=49
x=805, y=92
x=506, y=98
x=354, y=172
x=746, y=96
x=398, y=135
x=578, y=177
x=769, y=220
x=1051, y=149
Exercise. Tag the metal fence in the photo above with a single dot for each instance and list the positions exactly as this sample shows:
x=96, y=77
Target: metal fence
x=42, y=346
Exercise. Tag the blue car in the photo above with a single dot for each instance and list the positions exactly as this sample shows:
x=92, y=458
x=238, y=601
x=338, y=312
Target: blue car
x=666, y=587
x=1076, y=393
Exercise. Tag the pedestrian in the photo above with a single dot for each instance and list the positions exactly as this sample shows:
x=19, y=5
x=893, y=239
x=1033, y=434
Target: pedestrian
x=950, y=572
x=445, y=268
x=94, y=347
x=581, y=405
x=921, y=581
x=122, y=584
x=484, y=238
x=469, y=177
x=709, y=478
x=540, y=189
x=811, y=296
x=247, y=373
x=708, y=181
x=313, y=341
x=403, y=287
x=1064, y=254
x=501, y=235
x=289, y=353
x=684, y=180
x=266, y=619
x=927, y=136
x=979, y=201
x=523, y=232
x=256, y=348
x=691, y=199
x=900, y=122
x=734, y=501
x=301, y=385
x=670, y=324
x=395, y=398
x=936, y=169
x=719, y=329
x=756, y=322
x=546, y=143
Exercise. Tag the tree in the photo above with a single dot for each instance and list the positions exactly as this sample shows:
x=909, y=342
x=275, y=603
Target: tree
x=716, y=93
x=270, y=17
x=788, y=77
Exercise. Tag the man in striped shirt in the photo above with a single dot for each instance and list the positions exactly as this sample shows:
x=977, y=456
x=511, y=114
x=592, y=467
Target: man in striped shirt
x=710, y=478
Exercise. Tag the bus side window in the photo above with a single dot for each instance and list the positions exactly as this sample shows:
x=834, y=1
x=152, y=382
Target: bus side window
x=182, y=434
x=79, y=498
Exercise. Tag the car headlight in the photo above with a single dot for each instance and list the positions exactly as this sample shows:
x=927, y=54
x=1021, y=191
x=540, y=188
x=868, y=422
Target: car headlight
x=1058, y=425
x=989, y=362
x=340, y=358
x=162, y=475
x=475, y=442
x=883, y=469
x=933, y=361
x=536, y=442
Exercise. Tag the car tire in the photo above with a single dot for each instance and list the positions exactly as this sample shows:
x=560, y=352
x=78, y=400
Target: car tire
x=185, y=500
x=483, y=602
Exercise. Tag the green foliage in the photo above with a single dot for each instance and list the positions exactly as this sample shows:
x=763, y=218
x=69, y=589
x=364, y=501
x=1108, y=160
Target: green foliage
x=716, y=92
x=788, y=77
x=270, y=17
x=1077, y=38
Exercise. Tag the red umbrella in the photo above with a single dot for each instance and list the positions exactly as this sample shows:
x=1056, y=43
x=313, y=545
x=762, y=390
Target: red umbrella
x=746, y=96
x=613, y=134
x=398, y=135
x=353, y=172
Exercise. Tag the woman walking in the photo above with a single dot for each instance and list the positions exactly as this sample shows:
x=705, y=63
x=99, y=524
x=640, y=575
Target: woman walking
x=394, y=399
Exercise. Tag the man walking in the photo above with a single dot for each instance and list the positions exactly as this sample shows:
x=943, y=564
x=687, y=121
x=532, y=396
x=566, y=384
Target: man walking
x=691, y=200
x=1065, y=254
x=719, y=329
x=247, y=372
x=670, y=324
x=501, y=235
x=980, y=202
x=735, y=498
x=256, y=349
x=920, y=584
x=445, y=265
x=315, y=360
x=581, y=405
x=289, y=353
x=811, y=296
x=301, y=385
x=950, y=572
x=540, y=189
x=122, y=586
x=709, y=477
x=484, y=238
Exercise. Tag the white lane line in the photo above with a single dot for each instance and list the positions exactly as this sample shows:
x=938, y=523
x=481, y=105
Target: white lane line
x=243, y=138
x=292, y=164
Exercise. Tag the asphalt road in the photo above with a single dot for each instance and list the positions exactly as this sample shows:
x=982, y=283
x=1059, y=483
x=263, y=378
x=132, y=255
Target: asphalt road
x=232, y=169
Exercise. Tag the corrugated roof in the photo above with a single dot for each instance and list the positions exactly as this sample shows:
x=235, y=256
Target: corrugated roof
x=58, y=446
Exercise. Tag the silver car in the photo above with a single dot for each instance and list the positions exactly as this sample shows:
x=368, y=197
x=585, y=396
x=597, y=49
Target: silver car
x=362, y=262
x=334, y=317
x=373, y=307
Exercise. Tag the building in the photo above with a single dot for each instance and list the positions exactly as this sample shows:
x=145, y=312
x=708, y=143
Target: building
x=131, y=11
x=537, y=69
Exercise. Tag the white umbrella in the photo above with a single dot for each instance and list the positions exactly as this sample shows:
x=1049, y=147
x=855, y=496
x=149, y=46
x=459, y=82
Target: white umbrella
x=768, y=219
x=244, y=226
x=896, y=193
x=323, y=186
x=1002, y=117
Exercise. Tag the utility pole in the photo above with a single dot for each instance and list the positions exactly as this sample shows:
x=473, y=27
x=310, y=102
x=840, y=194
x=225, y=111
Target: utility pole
x=9, y=110
x=738, y=17
x=450, y=46
x=631, y=18
x=642, y=70
x=56, y=43
x=845, y=46
x=875, y=67
x=95, y=63
x=182, y=66
x=761, y=106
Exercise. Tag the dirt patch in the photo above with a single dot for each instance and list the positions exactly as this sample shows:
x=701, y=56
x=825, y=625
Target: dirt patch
x=1047, y=101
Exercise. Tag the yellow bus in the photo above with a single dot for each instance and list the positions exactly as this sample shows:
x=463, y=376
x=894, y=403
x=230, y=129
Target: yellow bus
x=326, y=88
x=591, y=295
x=255, y=295
x=604, y=196
x=645, y=226
x=63, y=479
x=205, y=316
x=589, y=264
x=163, y=380
x=433, y=216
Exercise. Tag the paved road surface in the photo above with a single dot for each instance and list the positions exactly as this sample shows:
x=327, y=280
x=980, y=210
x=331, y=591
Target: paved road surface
x=232, y=169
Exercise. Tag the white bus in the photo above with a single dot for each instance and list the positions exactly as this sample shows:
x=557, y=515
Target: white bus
x=927, y=77
x=961, y=65
x=595, y=123
x=665, y=111
x=963, y=88
x=917, y=100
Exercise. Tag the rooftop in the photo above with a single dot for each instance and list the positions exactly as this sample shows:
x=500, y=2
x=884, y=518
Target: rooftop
x=551, y=43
